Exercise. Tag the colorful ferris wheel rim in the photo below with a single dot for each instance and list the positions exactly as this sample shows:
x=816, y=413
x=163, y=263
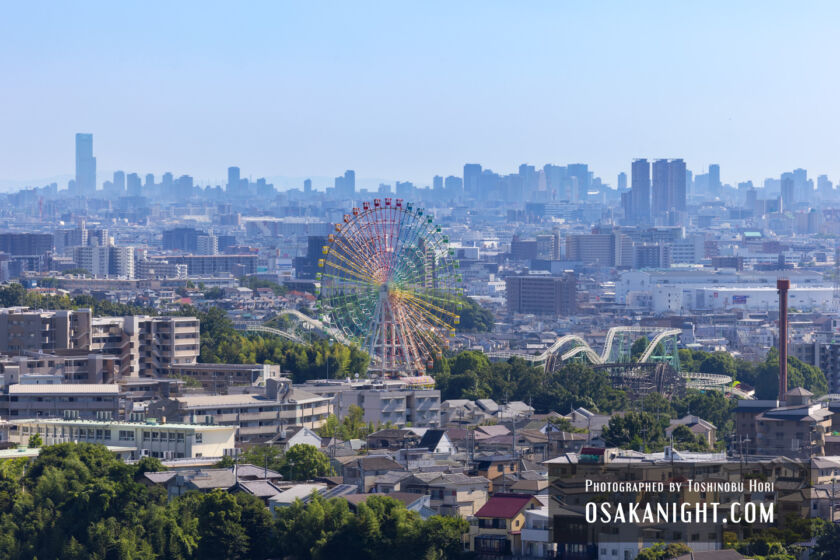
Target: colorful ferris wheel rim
x=389, y=282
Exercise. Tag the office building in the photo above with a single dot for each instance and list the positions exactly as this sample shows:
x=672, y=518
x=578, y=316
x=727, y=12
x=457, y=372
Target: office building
x=85, y=165
x=306, y=267
x=556, y=295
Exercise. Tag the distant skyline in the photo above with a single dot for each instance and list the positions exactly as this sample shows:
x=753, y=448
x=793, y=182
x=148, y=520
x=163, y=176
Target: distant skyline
x=408, y=91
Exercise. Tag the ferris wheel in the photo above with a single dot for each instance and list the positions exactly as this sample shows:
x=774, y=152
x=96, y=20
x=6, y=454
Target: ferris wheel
x=390, y=283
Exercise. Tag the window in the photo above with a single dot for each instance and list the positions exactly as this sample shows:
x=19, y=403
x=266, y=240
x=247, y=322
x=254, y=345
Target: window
x=198, y=438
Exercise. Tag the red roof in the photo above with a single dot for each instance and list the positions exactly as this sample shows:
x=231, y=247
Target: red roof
x=504, y=506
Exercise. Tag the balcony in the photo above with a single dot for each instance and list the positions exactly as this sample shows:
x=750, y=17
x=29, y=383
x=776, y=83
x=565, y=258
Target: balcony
x=535, y=535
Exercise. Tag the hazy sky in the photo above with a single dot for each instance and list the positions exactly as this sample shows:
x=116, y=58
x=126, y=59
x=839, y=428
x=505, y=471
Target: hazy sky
x=407, y=90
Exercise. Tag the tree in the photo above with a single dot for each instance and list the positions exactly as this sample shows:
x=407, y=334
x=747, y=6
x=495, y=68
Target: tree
x=800, y=374
x=719, y=363
x=661, y=551
x=35, y=440
x=636, y=430
x=305, y=462
x=827, y=544
x=263, y=456
x=473, y=317
x=221, y=534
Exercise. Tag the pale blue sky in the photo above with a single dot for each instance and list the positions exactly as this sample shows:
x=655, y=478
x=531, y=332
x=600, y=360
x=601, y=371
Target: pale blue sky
x=406, y=90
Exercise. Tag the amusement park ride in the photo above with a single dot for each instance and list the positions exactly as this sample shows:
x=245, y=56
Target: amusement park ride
x=389, y=282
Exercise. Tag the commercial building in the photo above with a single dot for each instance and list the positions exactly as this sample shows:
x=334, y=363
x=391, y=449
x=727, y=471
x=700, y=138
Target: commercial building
x=542, y=294
x=132, y=440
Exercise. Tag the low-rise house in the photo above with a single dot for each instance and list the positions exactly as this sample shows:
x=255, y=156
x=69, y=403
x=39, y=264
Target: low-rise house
x=697, y=426
x=178, y=483
x=392, y=439
x=493, y=467
x=454, y=494
x=363, y=471
x=412, y=502
x=297, y=492
x=584, y=419
x=436, y=441
x=497, y=526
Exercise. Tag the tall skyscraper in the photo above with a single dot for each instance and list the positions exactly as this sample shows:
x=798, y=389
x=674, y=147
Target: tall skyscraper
x=669, y=180
x=788, y=191
x=714, y=179
x=233, y=183
x=85, y=164
x=640, y=186
x=583, y=179
x=677, y=184
x=119, y=182
x=472, y=178
x=454, y=186
x=307, y=186
x=660, y=203
x=622, y=181
x=133, y=185
x=437, y=183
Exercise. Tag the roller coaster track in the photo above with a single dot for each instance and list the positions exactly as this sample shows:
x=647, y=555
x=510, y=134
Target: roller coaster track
x=256, y=326
x=582, y=347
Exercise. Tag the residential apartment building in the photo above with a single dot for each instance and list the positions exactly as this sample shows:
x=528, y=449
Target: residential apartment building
x=141, y=345
x=24, y=329
x=796, y=429
x=256, y=417
x=77, y=400
x=132, y=440
x=209, y=265
x=396, y=401
x=217, y=378
x=146, y=346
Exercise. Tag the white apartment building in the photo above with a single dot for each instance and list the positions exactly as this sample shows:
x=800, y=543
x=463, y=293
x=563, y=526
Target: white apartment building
x=132, y=440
